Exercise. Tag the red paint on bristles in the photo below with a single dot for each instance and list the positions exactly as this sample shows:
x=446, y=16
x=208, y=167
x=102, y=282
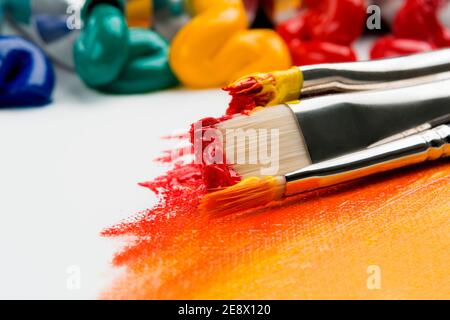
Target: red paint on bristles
x=247, y=94
x=243, y=95
x=215, y=175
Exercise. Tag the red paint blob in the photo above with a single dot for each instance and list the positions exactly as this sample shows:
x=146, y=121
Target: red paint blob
x=324, y=31
x=416, y=28
x=389, y=47
x=418, y=19
x=316, y=52
x=339, y=22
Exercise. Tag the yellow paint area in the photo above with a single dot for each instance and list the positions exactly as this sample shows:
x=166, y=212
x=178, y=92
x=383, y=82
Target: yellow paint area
x=288, y=85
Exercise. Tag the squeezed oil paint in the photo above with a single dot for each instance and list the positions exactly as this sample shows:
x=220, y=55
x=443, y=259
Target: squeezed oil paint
x=264, y=89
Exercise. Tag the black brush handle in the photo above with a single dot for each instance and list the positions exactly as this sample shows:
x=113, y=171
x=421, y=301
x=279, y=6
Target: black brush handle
x=379, y=74
x=338, y=124
x=430, y=145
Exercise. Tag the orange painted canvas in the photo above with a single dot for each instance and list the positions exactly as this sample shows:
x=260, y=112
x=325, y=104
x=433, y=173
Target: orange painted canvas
x=383, y=237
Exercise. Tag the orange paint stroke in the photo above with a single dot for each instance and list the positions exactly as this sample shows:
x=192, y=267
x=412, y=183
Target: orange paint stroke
x=315, y=245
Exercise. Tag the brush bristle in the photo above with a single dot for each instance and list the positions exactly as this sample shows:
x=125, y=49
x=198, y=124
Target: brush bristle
x=249, y=193
x=250, y=92
x=264, y=89
x=290, y=146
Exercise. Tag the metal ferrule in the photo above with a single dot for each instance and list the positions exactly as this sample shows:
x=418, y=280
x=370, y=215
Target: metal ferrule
x=429, y=145
x=423, y=127
x=335, y=125
x=376, y=74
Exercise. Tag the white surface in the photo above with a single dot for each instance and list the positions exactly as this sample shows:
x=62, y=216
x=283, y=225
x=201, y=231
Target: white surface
x=70, y=169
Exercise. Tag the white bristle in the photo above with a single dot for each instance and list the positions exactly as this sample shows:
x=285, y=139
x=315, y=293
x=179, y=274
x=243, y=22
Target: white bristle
x=293, y=154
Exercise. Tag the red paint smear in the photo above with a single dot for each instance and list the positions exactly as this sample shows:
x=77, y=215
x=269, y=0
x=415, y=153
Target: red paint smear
x=176, y=136
x=175, y=155
x=419, y=19
x=179, y=192
x=215, y=175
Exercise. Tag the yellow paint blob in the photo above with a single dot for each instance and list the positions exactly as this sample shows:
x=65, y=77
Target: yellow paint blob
x=139, y=13
x=217, y=47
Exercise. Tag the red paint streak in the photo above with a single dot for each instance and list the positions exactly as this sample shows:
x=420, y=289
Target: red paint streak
x=176, y=136
x=180, y=176
x=176, y=189
x=175, y=155
x=179, y=191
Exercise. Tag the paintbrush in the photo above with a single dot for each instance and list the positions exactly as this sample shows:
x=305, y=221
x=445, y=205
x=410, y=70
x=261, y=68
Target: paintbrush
x=265, y=89
x=252, y=192
x=322, y=128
